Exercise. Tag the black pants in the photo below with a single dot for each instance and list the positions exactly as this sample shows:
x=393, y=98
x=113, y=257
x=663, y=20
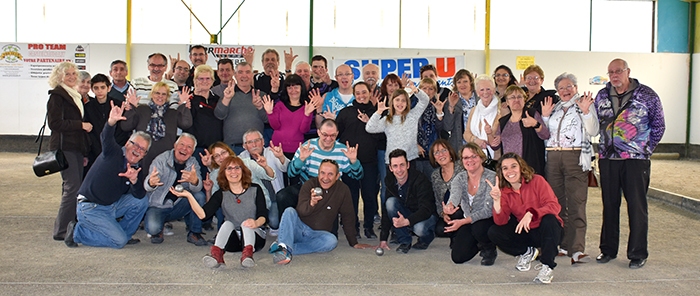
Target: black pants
x=631, y=177
x=546, y=237
x=441, y=224
x=235, y=244
x=288, y=197
x=470, y=238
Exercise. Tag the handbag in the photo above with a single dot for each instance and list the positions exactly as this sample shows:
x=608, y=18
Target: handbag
x=592, y=180
x=490, y=163
x=48, y=162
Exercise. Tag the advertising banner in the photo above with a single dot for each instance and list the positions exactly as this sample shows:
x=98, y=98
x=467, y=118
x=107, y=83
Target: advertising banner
x=36, y=60
x=446, y=67
x=216, y=52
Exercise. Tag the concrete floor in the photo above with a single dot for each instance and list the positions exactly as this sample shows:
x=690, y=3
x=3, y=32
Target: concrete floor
x=32, y=263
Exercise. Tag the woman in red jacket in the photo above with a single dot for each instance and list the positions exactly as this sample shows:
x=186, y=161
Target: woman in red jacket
x=525, y=211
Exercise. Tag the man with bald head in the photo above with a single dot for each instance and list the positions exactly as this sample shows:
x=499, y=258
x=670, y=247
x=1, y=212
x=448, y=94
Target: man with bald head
x=631, y=125
x=303, y=69
x=370, y=74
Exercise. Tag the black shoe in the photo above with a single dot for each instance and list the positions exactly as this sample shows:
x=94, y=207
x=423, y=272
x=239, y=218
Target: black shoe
x=196, y=239
x=603, y=258
x=637, y=263
x=393, y=239
x=403, y=248
x=133, y=241
x=420, y=245
x=69, y=236
x=369, y=233
x=489, y=257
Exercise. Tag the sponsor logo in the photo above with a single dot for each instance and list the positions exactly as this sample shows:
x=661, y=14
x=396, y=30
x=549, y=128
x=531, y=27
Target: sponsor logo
x=11, y=54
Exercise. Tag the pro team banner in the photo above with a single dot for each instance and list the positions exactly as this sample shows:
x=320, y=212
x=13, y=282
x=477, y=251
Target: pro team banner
x=446, y=67
x=36, y=60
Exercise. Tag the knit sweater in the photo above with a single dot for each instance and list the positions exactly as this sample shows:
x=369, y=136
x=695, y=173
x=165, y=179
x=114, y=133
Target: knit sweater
x=481, y=207
x=440, y=186
x=290, y=126
x=400, y=135
x=336, y=199
x=239, y=116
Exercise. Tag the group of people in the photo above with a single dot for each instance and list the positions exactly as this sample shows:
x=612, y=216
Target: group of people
x=491, y=163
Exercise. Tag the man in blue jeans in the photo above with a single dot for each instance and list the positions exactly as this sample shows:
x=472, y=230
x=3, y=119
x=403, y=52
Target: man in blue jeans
x=111, y=190
x=171, y=168
x=410, y=205
x=306, y=229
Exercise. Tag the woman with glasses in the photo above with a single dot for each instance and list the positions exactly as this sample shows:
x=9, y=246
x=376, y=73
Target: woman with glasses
x=446, y=163
x=572, y=122
x=157, y=119
x=291, y=117
x=469, y=211
x=504, y=78
x=534, y=77
x=243, y=205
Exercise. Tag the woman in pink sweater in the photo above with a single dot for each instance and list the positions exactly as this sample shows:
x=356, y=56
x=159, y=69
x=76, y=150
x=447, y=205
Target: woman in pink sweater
x=291, y=117
x=525, y=213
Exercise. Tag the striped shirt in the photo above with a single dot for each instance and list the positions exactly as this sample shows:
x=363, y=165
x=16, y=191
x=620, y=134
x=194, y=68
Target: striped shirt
x=309, y=168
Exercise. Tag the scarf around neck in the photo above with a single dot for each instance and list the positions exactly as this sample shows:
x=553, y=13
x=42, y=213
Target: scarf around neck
x=77, y=98
x=156, y=126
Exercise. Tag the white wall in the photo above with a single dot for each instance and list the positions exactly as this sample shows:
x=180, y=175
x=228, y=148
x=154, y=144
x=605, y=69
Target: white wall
x=24, y=101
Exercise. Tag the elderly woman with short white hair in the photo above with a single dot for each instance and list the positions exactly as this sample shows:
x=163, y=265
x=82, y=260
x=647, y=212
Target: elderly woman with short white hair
x=572, y=122
x=484, y=115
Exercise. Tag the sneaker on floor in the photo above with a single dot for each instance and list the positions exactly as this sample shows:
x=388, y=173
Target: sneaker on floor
x=196, y=239
x=580, y=257
x=545, y=275
x=168, y=229
x=563, y=252
x=157, y=239
x=527, y=258
x=403, y=248
x=247, y=257
x=281, y=255
x=420, y=245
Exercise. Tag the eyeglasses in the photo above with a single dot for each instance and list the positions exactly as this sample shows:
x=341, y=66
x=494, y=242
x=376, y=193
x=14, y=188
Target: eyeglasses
x=253, y=141
x=233, y=168
x=219, y=155
x=329, y=135
x=568, y=87
x=156, y=65
x=532, y=78
x=501, y=75
x=204, y=79
x=617, y=72
x=470, y=157
x=138, y=147
x=443, y=150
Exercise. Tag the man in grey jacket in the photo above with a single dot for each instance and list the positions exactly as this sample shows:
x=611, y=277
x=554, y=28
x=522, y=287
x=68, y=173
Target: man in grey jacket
x=169, y=169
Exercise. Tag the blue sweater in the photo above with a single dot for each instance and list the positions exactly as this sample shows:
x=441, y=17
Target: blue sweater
x=103, y=185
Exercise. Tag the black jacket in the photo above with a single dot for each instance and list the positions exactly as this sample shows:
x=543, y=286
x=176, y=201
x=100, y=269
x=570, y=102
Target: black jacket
x=420, y=199
x=65, y=120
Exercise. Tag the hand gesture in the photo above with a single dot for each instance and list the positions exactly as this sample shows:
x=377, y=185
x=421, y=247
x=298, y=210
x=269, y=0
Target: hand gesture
x=487, y=127
x=405, y=79
x=230, y=90
x=185, y=95
x=305, y=151
x=412, y=87
x=131, y=99
x=351, y=152
x=277, y=150
x=328, y=114
x=309, y=108
x=400, y=221
x=495, y=191
x=374, y=98
x=206, y=158
x=249, y=55
x=448, y=208
x=381, y=106
x=154, y=179
x=275, y=81
x=528, y=121
x=438, y=105
x=267, y=103
x=584, y=103
x=522, y=80
x=362, y=116
x=261, y=160
x=547, y=107
x=131, y=174
x=208, y=184
x=421, y=151
x=317, y=99
x=289, y=59
x=453, y=98
x=524, y=223
x=174, y=61
x=454, y=225
x=87, y=126
x=116, y=113
x=189, y=176
x=496, y=141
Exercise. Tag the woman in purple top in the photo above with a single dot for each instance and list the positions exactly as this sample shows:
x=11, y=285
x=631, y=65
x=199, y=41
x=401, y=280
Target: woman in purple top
x=291, y=117
x=520, y=132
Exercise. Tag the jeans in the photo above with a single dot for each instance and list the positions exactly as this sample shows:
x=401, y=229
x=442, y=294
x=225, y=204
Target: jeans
x=425, y=230
x=369, y=187
x=97, y=224
x=155, y=217
x=300, y=238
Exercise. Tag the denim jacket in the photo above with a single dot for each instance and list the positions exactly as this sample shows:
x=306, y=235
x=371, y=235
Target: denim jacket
x=636, y=129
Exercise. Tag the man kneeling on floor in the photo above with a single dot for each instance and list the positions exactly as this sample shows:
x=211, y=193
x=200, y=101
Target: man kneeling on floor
x=410, y=205
x=306, y=229
x=111, y=190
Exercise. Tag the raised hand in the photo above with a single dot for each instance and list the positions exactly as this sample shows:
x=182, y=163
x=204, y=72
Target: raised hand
x=487, y=127
x=261, y=160
x=267, y=103
x=131, y=99
x=277, y=151
x=438, y=105
x=405, y=79
x=230, y=90
x=381, y=106
x=305, y=151
x=174, y=61
x=185, y=94
x=131, y=174
x=522, y=80
x=207, y=184
x=495, y=190
x=317, y=99
x=351, y=152
x=374, y=98
x=206, y=158
x=189, y=176
x=453, y=98
x=412, y=87
x=289, y=59
x=116, y=113
x=547, y=107
x=154, y=179
x=328, y=114
x=249, y=55
x=585, y=102
x=315, y=198
x=275, y=81
x=528, y=121
x=400, y=221
x=362, y=116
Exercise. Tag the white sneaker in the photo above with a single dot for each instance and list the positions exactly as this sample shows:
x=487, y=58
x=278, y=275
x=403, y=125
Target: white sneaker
x=525, y=259
x=545, y=275
x=168, y=230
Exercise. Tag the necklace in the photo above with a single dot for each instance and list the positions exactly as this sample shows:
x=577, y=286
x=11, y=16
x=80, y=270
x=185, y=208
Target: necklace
x=237, y=196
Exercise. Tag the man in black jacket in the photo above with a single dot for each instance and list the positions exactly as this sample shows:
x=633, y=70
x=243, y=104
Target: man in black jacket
x=410, y=205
